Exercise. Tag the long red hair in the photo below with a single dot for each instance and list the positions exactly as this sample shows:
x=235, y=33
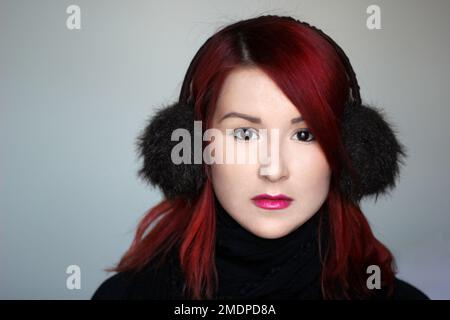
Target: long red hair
x=311, y=74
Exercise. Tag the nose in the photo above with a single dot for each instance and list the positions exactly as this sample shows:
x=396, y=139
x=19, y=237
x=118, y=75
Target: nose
x=274, y=167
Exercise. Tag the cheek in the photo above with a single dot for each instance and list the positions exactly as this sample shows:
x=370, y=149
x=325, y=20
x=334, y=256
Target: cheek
x=230, y=179
x=230, y=187
x=317, y=175
x=222, y=184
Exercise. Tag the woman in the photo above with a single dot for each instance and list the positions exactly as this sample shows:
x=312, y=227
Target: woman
x=288, y=225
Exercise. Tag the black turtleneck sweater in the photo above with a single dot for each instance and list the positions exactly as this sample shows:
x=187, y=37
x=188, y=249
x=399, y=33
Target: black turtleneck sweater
x=249, y=267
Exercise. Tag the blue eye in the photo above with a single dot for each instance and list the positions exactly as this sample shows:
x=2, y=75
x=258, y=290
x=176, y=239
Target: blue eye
x=305, y=135
x=245, y=133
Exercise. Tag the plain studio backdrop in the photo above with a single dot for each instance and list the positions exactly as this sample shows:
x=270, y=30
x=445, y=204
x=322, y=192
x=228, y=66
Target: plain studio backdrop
x=73, y=101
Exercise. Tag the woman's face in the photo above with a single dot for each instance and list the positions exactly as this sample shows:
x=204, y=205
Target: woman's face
x=301, y=172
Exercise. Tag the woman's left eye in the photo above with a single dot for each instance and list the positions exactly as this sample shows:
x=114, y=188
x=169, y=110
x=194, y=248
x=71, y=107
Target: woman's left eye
x=305, y=135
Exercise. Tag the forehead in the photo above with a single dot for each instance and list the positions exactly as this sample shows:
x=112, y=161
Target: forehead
x=250, y=90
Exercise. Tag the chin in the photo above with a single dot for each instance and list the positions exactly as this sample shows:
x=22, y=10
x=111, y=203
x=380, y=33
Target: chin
x=270, y=232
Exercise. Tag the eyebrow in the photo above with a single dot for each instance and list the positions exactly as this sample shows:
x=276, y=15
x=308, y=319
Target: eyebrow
x=253, y=119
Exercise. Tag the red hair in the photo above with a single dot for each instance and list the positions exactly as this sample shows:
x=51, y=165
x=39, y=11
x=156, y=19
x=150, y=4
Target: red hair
x=310, y=73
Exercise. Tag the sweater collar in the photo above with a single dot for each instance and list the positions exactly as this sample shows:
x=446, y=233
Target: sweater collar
x=255, y=267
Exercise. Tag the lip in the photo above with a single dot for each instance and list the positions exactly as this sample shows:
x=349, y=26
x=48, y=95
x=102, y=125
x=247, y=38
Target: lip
x=268, y=202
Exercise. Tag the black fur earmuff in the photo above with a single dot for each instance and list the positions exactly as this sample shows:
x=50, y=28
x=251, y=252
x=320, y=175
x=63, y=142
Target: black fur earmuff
x=370, y=142
x=155, y=146
x=373, y=149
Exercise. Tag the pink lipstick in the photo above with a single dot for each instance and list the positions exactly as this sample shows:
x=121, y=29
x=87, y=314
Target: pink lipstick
x=266, y=201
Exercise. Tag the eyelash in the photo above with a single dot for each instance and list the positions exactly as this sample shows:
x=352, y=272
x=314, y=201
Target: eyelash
x=300, y=131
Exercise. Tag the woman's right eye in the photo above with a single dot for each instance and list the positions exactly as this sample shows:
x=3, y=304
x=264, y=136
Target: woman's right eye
x=245, y=134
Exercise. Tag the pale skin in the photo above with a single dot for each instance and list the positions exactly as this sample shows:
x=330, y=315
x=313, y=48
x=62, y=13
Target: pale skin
x=301, y=173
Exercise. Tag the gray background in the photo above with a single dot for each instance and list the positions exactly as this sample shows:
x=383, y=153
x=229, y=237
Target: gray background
x=73, y=102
